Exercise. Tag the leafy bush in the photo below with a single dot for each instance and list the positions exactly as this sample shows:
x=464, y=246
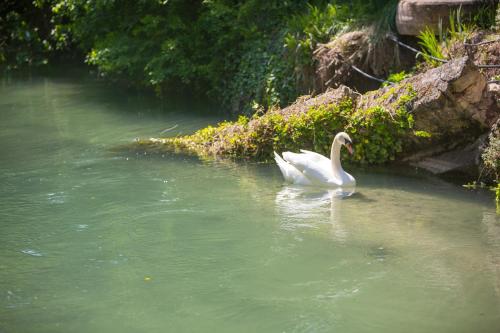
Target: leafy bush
x=240, y=52
x=25, y=34
x=243, y=53
x=229, y=50
x=262, y=79
x=317, y=25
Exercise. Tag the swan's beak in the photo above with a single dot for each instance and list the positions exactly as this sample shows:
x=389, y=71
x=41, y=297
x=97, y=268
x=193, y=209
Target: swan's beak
x=349, y=148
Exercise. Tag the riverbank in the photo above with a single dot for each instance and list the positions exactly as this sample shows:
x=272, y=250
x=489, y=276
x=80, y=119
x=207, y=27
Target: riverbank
x=435, y=112
x=440, y=110
x=443, y=119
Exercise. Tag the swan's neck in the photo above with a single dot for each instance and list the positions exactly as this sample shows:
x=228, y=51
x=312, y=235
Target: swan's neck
x=335, y=158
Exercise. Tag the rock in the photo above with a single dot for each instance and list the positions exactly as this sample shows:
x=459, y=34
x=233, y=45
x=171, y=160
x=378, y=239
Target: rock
x=452, y=103
x=450, y=99
x=413, y=16
x=494, y=90
x=463, y=159
x=487, y=53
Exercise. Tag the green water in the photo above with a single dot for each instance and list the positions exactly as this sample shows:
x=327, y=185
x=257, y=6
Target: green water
x=94, y=240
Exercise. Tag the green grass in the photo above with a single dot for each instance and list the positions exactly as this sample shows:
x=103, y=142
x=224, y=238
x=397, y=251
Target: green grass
x=431, y=46
x=396, y=77
x=460, y=28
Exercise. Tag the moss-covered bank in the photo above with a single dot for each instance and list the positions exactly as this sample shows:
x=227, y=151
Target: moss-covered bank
x=379, y=133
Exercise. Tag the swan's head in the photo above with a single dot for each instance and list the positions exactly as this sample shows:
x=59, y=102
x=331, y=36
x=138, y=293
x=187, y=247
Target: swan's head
x=345, y=140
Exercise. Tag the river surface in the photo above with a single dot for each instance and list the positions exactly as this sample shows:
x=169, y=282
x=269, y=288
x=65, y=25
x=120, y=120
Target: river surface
x=97, y=240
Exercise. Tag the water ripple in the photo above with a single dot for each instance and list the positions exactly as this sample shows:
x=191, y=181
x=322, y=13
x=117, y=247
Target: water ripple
x=56, y=198
x=32, y=252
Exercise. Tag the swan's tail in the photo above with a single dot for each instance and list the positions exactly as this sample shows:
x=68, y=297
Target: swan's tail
x=290, y=172
x=282, y=164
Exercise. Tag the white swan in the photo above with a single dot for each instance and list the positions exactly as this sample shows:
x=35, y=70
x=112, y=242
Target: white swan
x=310, y=168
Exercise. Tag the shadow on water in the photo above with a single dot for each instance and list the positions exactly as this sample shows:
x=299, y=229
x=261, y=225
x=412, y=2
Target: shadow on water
x=76, y=90
x=84, y=85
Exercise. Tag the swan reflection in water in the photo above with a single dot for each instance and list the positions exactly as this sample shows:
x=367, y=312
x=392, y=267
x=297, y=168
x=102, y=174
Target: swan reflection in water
x=309, y=207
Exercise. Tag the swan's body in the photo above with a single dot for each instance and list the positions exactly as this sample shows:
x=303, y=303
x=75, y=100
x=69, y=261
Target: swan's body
x=310, y=168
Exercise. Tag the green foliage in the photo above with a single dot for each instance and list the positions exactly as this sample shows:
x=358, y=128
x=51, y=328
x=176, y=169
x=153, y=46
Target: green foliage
x=459, y=28
x=431, y=46
x=313, y=129
x=485, y=16
x=262, y=78
x=315, y=26
x=229, y=50
x=422, y=134
x=25, y=34
x=491, y=161
x=321, y=23
x=491, y=157
x=380, y=134
x=262, y=135
x=239, y=52
x=397, y=77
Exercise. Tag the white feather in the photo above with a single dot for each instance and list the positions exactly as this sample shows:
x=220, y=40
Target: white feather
x=310, y=168
x=290, y=172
